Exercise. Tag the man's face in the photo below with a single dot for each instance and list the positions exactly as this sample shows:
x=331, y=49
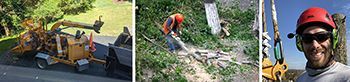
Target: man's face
x=317, y=46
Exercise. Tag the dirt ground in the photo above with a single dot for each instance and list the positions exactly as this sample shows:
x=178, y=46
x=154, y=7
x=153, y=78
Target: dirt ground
x=198, y=73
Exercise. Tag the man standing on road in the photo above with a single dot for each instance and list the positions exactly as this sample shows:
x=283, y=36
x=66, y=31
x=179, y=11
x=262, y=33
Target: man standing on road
x=317, y=37
x=172, y=28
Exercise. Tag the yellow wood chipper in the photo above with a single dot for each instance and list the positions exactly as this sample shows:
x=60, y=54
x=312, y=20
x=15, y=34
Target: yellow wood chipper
x=53, y=46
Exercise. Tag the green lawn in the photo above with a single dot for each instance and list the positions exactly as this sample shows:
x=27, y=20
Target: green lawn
x=114, y=16
x=7, y=43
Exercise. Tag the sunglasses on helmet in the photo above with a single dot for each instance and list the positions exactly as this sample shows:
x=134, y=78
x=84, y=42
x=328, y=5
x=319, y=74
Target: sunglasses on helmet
x=319, y=37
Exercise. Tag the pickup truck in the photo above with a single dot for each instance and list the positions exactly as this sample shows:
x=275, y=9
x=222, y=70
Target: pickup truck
x=119, y=55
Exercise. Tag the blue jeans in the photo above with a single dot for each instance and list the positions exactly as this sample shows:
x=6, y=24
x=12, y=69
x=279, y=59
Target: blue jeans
x=170, y=42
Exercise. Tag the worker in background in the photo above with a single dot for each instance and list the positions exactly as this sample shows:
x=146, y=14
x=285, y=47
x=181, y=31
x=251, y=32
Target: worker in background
x=317, y=37
x=172, y=28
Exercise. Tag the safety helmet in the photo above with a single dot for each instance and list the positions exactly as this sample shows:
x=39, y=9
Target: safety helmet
x=179, y=18
x=314, y=15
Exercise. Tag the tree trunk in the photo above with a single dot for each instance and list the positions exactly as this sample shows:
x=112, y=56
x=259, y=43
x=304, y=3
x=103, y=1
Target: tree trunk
x=7, y=30
x=340, y=50
x=212, y=16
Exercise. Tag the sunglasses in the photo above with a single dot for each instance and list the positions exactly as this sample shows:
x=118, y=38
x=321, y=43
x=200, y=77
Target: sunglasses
x=319, y=37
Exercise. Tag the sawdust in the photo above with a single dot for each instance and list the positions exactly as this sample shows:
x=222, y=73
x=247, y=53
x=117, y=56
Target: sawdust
x=200, y=74
x=197, y=73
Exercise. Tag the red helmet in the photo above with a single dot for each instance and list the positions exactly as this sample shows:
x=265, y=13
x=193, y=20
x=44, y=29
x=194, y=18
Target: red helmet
x=314, y=15
x=179, y=18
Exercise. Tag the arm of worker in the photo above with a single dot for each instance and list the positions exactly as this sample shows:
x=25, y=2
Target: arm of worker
x=168, y=23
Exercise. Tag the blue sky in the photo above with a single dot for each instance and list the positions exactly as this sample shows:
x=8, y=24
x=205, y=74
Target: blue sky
x=288, y=12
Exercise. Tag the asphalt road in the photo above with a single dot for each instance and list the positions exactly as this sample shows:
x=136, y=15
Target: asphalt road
x=10, y=73
x=24, y=68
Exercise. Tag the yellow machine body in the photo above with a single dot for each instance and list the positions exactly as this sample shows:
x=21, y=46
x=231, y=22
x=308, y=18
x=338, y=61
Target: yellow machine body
x=60, y=47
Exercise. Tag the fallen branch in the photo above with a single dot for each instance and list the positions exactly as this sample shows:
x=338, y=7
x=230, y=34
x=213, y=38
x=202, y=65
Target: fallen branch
x=144, y=36
x=250, y=62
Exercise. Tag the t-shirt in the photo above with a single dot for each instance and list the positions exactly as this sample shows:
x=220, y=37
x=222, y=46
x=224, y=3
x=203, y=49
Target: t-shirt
x=337, y=72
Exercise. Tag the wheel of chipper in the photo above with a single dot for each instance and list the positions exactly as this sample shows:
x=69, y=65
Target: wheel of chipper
x=41, y=63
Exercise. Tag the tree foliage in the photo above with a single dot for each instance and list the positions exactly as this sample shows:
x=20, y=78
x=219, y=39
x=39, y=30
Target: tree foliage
x=12, y=12
x=47, y=10
x=75, y=6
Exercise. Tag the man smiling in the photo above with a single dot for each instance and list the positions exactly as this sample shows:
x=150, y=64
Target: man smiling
x=317, y=37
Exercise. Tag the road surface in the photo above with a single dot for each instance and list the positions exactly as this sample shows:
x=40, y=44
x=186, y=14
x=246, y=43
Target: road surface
x=13, y=69
x=10, y=73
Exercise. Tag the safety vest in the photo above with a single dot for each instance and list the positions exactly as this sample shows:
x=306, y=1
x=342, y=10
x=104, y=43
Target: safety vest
x=165, y=24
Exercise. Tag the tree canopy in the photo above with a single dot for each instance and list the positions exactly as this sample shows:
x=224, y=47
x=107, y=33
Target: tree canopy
x=12, y=12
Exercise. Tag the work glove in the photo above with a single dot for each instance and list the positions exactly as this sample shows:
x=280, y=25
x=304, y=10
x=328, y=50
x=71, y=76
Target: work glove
x=172, y=34
x=180, y=33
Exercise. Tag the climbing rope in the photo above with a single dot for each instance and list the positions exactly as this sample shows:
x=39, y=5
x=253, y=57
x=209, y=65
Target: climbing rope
x=272, y=72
